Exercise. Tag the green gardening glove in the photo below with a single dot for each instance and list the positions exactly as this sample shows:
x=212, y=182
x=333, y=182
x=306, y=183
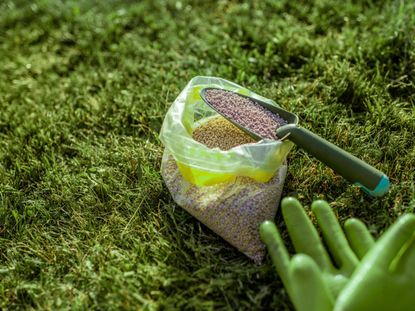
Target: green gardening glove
x=385, y=279
x=316, y=290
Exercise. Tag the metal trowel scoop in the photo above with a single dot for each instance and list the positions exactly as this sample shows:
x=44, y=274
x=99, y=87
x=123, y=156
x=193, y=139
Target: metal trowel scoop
x=371, y=180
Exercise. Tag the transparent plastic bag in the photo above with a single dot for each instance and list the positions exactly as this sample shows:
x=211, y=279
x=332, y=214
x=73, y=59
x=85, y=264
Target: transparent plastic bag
x=203, y=166
x=233, y=210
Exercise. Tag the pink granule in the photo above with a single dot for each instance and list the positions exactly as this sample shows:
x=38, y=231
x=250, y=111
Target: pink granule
x=245, y=112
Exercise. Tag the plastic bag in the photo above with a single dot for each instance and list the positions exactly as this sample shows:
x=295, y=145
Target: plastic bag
x=232, y=210
x=233, y=191
x=203, y=166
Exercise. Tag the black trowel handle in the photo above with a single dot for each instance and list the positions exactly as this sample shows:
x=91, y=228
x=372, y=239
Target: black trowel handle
x=371, y=180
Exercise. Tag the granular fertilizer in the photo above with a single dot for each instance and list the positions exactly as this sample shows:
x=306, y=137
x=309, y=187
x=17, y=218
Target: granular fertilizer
x=232, y=210
x=245, y=112
x=220, y=133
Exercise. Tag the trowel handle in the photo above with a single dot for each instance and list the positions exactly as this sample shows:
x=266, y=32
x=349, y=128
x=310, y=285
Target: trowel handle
x=371, y=180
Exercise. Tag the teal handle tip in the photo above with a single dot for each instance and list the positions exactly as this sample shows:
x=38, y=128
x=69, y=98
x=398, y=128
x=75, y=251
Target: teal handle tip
x=381, y=188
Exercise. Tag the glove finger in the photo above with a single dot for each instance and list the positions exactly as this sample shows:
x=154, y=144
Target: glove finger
x=277, y=250
x=404, y=264
x=334, y=237
x=358, y=236
x=309, y=291
x=391, y=242
x=365, y=290
x=303, y=234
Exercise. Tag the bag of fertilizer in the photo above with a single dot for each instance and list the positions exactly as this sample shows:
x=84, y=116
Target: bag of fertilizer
x=218, y=173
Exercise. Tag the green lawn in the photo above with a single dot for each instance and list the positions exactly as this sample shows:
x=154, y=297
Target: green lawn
x=86, y=222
